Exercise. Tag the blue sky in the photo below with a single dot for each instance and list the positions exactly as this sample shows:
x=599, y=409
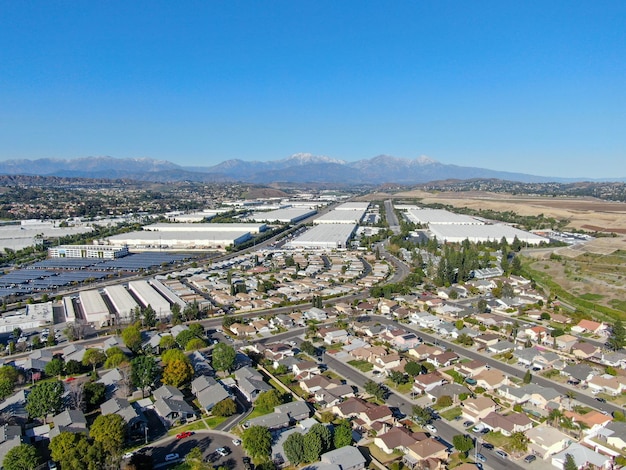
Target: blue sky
x=536, y=87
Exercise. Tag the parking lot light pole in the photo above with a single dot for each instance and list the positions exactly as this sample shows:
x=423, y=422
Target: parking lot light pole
x=146, y=433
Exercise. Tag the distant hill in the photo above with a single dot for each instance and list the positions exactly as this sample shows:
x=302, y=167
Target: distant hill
x=298, y=168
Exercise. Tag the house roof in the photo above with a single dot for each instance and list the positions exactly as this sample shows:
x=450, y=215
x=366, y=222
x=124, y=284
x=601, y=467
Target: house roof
x=398, y=437
x=427, y=447
x=344, y=457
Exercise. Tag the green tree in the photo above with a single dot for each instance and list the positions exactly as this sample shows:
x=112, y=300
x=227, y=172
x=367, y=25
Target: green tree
x=93, y=357
x=413, y=368
x=570, y=463
x=173, y=355
x=463, y=443
x=184, y=337
x=343, y=434
x=73, y=367
x=226, y=407
x=194, y=459
x=10, y=374
x=294, y=448
x=167, y=342
x=44, y=398
x=375, y=389
x=528, y=377
x=55, y=367
x=115, y=359
x=131, y=335
x=176, y=316
x=397, y=377
x=6, y=388
x=325, y=435
x=266, y=401
x=22, y=457
x=422, y=415
x=617, y=338
x=194, y=344
x=223, y=357
x=257, y=441
x=308, y=348
x=110, y=432
x=312, y=447
x=177, y=373
x=144, y=373
x=95, y=393
x=149, y=317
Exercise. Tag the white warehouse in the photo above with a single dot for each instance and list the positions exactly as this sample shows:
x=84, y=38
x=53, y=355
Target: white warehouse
x=94, y=308
x=440, y=216
x=483, y=233
x=147, y=295
x=122, y=301
x=287, y=216
x=325, y=236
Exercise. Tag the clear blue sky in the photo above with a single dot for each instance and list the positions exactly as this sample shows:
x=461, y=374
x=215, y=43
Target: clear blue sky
x=534, y=86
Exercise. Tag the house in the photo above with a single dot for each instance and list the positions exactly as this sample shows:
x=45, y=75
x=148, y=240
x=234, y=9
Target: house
x=209, y=391
x=592, y=421
x=351, y=407
x=428, y=449
x=399, y=438
x=422, y=351
x=278, y=351
x=305, y=370
x=584, y=458
x=318, y=382
x=578, y=372
x=374, y=414
x=424, y=383
x=565, y=342
x=452, y=390
x=424, y=319
x=333, y=395
x=387, y=363
x=335, y=336
x=582, y=350
x=283, y=416
x=444, y=359
x=546, y=441
x=490, y=379
x=475, y=409
x=344, y=458
x=250, y=383
x=172, y=410
x=611, y=385
x=507, y=424
x=536, y=334
x=614, y=434
x=406, y=341
x=502, y=347
x=316, y=314
x=589, y=326
x=69, y=421
x=487, y=339
x=470, y=369
x=368, y=353
x=120, y=406
x=10, y=437
x=240, y=329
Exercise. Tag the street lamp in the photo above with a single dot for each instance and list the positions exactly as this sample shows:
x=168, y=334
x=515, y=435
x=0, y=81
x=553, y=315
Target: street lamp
x=146, y=433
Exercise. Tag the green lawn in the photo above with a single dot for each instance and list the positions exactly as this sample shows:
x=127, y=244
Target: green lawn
x=215, y=421
x=363, y=366
x=452, y=413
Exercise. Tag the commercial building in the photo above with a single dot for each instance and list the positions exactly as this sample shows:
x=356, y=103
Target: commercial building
x=147, y=295
x=179, y=240
x=324, y=236
x=122, y=301
x=88, y=251
x=449, y=233
x=287, y=216
x=94, y=308
x=340, y=217
x=439, y=216
x=230, y=228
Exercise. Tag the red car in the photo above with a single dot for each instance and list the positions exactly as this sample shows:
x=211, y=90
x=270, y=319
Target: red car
x=183, y=435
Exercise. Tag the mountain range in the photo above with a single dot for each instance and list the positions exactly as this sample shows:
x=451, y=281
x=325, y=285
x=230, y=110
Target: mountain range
x=298, y=168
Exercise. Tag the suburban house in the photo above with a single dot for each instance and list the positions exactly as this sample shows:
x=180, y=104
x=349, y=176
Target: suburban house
x=584, y=458
x=428, y=450
x=250, y=383
x=470, y=369
x=589, y=326
x=344, y=458
x=399, y=438
x=490, y=379
x=592, y=421
x=582, y=350
x=507, y=424
x=134, y=418
x=475, y=409
x=426, y=382
x=546, y=441
x=209, y=391
x=69, y=421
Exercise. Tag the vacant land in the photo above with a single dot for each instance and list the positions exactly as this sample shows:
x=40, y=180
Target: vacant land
x=591, y=273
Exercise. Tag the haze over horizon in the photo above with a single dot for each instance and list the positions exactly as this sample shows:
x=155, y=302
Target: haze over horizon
x=534, y=88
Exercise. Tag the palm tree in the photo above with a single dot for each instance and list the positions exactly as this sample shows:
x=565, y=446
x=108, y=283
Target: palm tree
x=581, y=427
x=571, y=395
x=519, y=441
x=555, y=417
x=568, y=423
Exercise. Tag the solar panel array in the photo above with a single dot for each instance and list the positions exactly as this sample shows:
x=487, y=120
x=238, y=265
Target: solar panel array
x=61, y=272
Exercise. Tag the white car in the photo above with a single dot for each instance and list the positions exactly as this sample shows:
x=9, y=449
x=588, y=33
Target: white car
x=237, y=442
x=431, y=428
x=128, y=455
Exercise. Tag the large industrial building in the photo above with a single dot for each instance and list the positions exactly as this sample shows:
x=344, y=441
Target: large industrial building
x=449, y=233
x=325, y=236
x=147, y=295
x=439, y=216
x=341, y=217
x=121, y=300
x=94, y=308
x=287, y=216
x=88, y=251
x=188, y=236
x=353, y=206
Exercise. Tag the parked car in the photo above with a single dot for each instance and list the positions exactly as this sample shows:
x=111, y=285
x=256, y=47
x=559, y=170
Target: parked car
x=601, y=400
x=183, y=435
x=223, y=451
x=481, y=457
x=530, y=458
x=467, y=424
x=487, y=446
x=501, y=453
x=431, y=428
x=170, y=457
x=237, y=442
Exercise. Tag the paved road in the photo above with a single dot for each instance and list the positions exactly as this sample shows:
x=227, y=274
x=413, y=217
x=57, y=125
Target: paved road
x=392, y=219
